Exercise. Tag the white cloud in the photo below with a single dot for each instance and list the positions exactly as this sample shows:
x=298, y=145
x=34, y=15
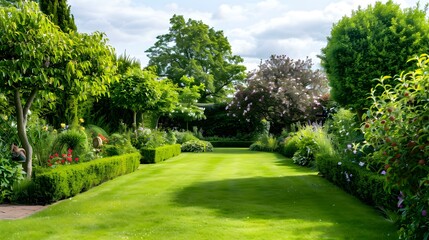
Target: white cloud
x=255, y=29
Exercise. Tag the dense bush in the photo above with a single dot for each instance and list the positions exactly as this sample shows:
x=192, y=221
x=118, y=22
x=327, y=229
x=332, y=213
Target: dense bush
x=397, y=128
x=10, y=173
x=76, y=140
x=355, y=179
x=305, y=144
x=183, y=137
x=289, y=147
x=159, y=154
x=118, y=144
x=63, y=182
x=265, y=143
x=197, y=146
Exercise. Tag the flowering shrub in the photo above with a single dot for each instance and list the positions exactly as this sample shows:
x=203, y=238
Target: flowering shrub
x=397, y=128
x=63, y=159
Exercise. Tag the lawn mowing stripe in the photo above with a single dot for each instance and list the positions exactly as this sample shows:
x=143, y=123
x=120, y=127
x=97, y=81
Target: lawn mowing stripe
x=227, y=194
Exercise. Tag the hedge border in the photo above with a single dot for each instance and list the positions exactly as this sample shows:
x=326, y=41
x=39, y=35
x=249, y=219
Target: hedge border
x=67, y=181
x=358, y=181
x=159, y=154
x=231, y=144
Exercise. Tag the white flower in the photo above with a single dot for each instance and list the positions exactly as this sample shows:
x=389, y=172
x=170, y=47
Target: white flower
x=361, y=164
x=339, y=163
x=349, y=146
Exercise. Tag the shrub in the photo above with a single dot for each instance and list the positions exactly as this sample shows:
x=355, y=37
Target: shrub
x=397, y=128
x=289, y=147
x=197, y=146
x=159, y=154
x=71, y=139
x=183, y=137
x=156, y=139
x=344, y=129
x=10, y=173
x=266, y=143
x=118, y=144
x=59, y=183
x=306, y=143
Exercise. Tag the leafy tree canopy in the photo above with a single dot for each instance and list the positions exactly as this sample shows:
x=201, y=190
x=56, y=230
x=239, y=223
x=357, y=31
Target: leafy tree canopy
x=36, y=57
x=282, y=91
x=193, y=49
x=372, y=42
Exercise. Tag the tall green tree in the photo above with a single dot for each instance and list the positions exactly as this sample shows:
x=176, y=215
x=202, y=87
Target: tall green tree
x=59, y=13
x=372, y=42
x=193, y=49
x=137, y=90
x=37, y=58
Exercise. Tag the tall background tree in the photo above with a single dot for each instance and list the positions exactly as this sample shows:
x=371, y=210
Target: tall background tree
x=36, y=58
x=193, y=49
x=282, y=91
x=59, y=13
x=371, y=43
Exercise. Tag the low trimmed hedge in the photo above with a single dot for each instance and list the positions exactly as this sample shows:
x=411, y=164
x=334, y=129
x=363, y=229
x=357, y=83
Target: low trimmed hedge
x=67, y=181
x=159, y=154
x=356, y=180
x=231, y=144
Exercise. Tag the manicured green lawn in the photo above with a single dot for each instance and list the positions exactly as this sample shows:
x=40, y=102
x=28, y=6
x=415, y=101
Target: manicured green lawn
x=228, y=194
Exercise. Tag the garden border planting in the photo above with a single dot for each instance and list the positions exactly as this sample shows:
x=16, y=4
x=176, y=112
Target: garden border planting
x=64, y=182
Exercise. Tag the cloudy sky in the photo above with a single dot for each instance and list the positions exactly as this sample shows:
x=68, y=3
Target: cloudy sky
x=255, y=29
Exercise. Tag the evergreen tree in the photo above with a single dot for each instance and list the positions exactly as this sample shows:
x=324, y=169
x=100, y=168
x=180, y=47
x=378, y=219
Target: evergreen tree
x=59, y=13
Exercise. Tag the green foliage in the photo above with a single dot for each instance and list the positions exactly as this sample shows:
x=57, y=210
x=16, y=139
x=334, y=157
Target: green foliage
x=344, y=129
x=356, y=180
x=65, y=182
x=282, y=91
x=396, y=127
x=71, y=139
x=34, y=52
x=197, y=146
x=170, y=138
x=265, y=143
x=118, y=144
x=137, y=90
x=10, y=173
x=59, y=13
x=159, y=154
x=183, y=137
x=156, y=139
x=191, y=48
x=370, y=43
x=306, y=144
x=289, y=147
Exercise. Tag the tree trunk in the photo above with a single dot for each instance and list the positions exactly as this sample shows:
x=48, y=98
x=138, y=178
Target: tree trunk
x=21, y=116
x=142, y=115
x=135, y=120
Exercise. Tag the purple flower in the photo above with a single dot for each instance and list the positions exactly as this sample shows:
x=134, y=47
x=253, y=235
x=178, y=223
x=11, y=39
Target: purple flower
x=424, y=213
x=383, y=172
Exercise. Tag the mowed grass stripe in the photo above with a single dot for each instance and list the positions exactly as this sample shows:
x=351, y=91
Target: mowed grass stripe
x=227, y=194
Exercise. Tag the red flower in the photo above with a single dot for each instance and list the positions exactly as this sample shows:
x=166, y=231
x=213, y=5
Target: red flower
x=56, y=155
x=69, y=150
x=76, y=159
x=51, y=157
x=69, y=159
x=63, y=161
x=50, y=164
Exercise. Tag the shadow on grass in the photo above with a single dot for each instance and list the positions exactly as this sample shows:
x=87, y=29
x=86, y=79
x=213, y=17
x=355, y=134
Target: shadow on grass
x=304, y=197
